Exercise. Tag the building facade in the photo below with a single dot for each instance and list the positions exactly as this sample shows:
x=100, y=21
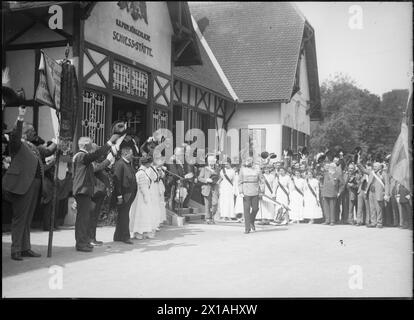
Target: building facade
x=125, y=53
x=271, y=66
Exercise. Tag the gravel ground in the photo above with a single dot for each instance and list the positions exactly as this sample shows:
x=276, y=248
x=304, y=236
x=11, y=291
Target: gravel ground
x=200, y=260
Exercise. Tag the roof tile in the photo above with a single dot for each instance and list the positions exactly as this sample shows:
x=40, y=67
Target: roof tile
x=256, y=44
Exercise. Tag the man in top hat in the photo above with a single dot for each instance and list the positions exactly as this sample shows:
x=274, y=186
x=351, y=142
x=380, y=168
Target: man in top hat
x=24, y=184
x=84, y=182
x=125, y=189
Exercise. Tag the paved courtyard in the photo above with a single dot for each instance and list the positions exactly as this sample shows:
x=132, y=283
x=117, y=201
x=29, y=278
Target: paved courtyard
x=219, y=260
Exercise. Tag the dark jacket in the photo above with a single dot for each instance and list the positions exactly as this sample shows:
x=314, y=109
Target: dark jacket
x=83, y=172
x=403, y=192
x=351, y=185
x=24, y=162
x=125, y=183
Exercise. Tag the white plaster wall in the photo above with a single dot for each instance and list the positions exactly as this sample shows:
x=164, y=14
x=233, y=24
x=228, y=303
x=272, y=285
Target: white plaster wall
x=261, y=116
x=255, y=113
x=100, y=25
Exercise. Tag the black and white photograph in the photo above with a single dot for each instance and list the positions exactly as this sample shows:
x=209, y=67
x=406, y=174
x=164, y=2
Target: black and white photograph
x=207, y=150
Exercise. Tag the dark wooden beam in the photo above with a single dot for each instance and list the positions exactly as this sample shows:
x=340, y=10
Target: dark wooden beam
x=98, y=67
x=46, y=44
x=20, y=33
x=175, y=91
x=95, y=67
x=181, y=49
x=87, y=10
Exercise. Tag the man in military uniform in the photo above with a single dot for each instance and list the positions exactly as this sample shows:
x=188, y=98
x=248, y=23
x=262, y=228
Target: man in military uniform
x=251, y=187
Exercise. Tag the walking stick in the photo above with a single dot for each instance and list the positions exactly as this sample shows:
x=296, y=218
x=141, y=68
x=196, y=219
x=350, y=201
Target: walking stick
x=54, y=198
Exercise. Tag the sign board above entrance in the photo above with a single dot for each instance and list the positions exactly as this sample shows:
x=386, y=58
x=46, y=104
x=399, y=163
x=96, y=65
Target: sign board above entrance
x=140, y=31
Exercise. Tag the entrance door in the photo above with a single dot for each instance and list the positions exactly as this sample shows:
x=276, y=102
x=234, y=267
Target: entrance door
x=133, y=113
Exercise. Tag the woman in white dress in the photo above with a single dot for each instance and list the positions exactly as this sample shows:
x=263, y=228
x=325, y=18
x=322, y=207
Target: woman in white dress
x=152, y=173
x=267, y=208
x=282, y=183
x=296, y=196
x=161, y=187
x=313, y=209
x=226, y=192
x=140, y=213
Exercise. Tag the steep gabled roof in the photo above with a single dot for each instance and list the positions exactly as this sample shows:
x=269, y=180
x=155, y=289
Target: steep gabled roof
x=257, y=44
x=205, y=75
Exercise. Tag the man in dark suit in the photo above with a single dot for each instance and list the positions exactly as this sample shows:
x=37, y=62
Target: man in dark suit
x=125, y=189
x=333, y=185
x=100, y=192
x=351, y=188
x=83, y=186
x=24, y=182
x=176, y=170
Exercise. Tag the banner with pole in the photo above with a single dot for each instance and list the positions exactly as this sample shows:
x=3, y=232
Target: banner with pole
x=400, y=168
x=58, y=89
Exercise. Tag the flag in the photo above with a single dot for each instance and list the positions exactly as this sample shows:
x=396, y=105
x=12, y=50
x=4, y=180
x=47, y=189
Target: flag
x=48, y=89
x=400, y=168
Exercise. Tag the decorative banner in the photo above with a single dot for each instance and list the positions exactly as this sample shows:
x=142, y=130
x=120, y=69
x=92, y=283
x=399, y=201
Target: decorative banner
x=48, y=89
x=68, y=110
x=401, y=156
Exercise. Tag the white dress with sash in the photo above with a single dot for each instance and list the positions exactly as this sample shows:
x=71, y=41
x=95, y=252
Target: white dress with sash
x=140, y=219
x=267, y=209
x=296, y=199
x=226, y=192
x=312, y=208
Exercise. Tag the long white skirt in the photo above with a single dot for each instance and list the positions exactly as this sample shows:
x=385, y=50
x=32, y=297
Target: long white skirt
x=155, y=204
x=296, y=205
x=311, y=209
x=267, y=210
x=140, y=216
x=226, y=200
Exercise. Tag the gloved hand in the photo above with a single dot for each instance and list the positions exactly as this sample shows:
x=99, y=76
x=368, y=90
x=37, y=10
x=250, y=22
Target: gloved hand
x=189, y=175
x=110, y=157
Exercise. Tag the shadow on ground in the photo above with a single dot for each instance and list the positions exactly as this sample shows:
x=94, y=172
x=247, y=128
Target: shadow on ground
x=62, y=255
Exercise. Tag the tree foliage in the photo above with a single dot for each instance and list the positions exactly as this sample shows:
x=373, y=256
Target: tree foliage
x=355, y=117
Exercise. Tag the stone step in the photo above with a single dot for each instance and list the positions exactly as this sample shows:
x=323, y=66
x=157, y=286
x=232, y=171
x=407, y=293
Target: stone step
x=194, y=216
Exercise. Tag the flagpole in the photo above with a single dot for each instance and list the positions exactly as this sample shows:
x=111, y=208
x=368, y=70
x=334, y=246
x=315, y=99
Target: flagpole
x=54, y=198
x=55, y=182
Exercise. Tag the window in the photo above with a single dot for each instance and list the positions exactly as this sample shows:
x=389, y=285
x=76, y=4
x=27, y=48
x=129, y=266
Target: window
x=93, y=116
x=302, y=140
x=130, y=80
x=294, y=141
x=286, y=137
x=160, y=119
